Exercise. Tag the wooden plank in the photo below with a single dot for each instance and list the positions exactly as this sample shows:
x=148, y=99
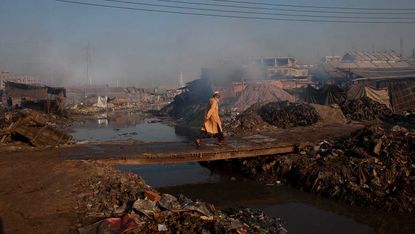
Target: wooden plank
x=194, y=156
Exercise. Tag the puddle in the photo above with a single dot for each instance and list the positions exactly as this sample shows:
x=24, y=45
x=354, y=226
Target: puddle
x=125, y=127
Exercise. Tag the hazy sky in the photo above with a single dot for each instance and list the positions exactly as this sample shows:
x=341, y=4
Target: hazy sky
x=48, y=39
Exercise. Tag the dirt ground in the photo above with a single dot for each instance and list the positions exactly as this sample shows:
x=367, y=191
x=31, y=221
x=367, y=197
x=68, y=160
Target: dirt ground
x=37, y=192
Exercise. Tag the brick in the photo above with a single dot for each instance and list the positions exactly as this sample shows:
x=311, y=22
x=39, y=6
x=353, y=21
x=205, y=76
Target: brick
x=152, y=195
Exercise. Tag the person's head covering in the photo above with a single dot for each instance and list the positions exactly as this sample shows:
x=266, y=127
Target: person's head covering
x=215, y=93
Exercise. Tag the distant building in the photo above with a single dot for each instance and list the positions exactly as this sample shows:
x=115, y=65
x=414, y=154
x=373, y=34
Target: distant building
x=21, y=79
x=284, y=67
x=331, y=59
x=364, y=58
x=386, y=69
x=333, y=70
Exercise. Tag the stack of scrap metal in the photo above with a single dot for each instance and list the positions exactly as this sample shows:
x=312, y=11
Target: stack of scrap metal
x=34, y=128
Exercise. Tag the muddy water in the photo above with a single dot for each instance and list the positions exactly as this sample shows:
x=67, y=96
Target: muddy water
x=302, y=212
x=124, y=126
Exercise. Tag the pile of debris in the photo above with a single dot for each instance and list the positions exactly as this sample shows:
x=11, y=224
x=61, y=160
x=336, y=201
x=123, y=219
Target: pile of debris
x=272, y=116
x=286, y=115
x=249, y=121
x=365, y=109
x=256, y=221
x=190, y=105
x=33, y=128
x=260, y=93
x=90, y=110
x=406, y=119
x=373, y=167
x=117, y=202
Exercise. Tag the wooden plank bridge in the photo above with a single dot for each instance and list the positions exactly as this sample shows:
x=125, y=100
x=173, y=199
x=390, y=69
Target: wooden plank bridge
x=135, y=153
x=139, y=153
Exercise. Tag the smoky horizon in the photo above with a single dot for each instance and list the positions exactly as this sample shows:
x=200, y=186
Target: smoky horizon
x=104, y=42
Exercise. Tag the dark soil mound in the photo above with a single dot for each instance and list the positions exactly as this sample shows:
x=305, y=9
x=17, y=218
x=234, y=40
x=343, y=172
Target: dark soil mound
x=286, y=115
x=365, y=109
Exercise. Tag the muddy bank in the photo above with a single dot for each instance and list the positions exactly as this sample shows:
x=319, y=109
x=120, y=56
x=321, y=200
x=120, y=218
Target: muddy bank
x=374, y=167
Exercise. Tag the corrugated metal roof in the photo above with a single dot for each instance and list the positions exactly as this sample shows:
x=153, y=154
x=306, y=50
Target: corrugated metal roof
x=358, y=56
x=378, y=74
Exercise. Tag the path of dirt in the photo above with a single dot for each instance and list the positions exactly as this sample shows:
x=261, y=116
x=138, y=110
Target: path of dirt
x=36, y=192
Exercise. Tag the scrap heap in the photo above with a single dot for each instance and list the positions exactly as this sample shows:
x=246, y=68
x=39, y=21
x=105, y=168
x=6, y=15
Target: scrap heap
x=33, y=128
x=117, y=202
x=374, y=167
x=365, y=109
x=273, y=115
x=248, y=121
x=189, y=106
x=286, y=115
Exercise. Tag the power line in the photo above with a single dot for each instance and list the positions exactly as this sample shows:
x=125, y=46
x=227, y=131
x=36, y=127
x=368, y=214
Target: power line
x=234, y=16
x=290, y=10
x=257, y=13
x=317, y=7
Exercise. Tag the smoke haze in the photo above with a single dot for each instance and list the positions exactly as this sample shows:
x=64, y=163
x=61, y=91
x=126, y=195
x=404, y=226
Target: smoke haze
x=49, y=40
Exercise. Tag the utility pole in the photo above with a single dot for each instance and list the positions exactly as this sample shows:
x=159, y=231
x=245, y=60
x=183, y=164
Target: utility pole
x=88, y=60
x=88, y=80
x=401, y=46
x=181, y=82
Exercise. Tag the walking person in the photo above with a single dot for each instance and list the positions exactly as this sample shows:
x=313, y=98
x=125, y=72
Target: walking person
x=212, y=126
x=9, y=104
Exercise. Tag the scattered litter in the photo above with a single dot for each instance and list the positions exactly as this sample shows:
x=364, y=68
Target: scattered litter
x=162, y=227
x=146, y=207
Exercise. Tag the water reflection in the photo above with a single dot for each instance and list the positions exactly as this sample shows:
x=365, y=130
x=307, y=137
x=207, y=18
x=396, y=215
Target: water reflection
x=124, y=126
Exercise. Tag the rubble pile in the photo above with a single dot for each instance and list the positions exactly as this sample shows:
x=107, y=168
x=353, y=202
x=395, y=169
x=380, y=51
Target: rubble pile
x=373, y=167
x=189, y=106
x=32, y=127
x=117, y=202
x=248, y=121
x=286, y=115
x=260, y=93
x=364, y=109
x=406, y=119
x=94, y=110
x=272, y=116
x=256, y=221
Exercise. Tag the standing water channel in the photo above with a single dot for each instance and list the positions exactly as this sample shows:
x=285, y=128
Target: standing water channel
x=302, y=212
